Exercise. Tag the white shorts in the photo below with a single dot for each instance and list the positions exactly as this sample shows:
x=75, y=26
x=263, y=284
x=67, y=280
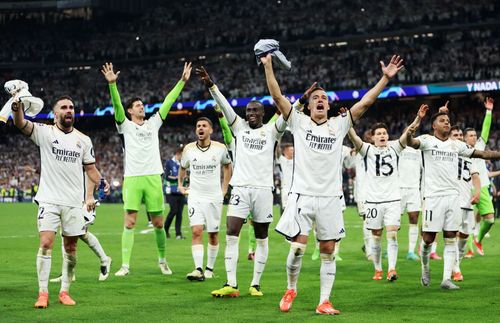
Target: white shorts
x=441, y=213
x=51, y=216
x=258, y=201
x=326, y=212
x=380, y=215
x=411, y=200
x=205, y=213
x=284, y=198
x=468, y=221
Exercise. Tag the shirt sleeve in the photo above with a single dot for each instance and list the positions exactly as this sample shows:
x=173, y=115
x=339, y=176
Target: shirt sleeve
x=117, y=103
x=474, y=167
x=156, y=120
x=344, y=122
x=424, y=142
x=397, y=146
x=170, y=99
x=226, y=159
x=40, y=133
x=364, y=149
x=88, y=154
x=122, y=127
x=294, y=119
x=227, y=109
x=185, y=159
x=464, y=150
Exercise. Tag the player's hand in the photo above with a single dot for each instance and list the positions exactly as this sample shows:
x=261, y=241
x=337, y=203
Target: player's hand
x=394, y=66
x=267, y=59
x=90, y=204
x=308, y=92
x=186, y=73
x=217, y=108
x=107, y=188
x=475, y=198
x=488, y=103
x=343, y=111
x=109, y=74
x=16, y=105
x=422, y=111
x=205, y=78
x=444, y=108
x=182, y=190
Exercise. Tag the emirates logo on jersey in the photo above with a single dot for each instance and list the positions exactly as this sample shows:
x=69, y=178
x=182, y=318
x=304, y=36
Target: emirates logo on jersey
x=320, y=142
x=254, y=143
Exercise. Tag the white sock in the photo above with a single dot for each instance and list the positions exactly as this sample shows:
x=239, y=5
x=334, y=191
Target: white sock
x=337, y=248
x=434, y=247
x=412, y=237
x=95, y=246
x=327, y=276
x=231, y=259
x=43, y=264
x=377, y=252
x=212, y=252
x=426, y=251
x=461, y=246
x=294, y=263
x=392, y=249
x=198, y=253
x=261, y=253
x=449, y=256
x=367, y=237
x=69, y=263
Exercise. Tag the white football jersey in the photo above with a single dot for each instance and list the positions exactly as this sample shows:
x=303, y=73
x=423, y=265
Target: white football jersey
x=62, y=180
x=466, y=167
x=205, y=170
x=348, y=160
x=253, y=154
x=286, y=167
x=142, y=146
x=481, y=164
x=382, y=175
x=318, y=154
x=410, y=168
x=440, y=165
x=359, y=164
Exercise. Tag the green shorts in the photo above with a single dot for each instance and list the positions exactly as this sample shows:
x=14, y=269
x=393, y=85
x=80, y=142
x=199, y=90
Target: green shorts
x=485, y=205
x=147, y=188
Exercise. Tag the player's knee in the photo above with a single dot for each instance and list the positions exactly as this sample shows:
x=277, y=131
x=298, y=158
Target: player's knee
x=450, y=241
x=46, y=243
x=327, y=257
x=298, y=249
x=489, y=218
x=392, y=235
x=213, y=238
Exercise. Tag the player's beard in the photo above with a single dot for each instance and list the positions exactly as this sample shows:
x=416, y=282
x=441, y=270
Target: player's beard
x=66, y=123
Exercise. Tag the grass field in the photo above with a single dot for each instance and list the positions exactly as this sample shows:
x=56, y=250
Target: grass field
x=145, y=295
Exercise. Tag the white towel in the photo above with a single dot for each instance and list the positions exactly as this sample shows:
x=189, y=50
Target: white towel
x=20, y=92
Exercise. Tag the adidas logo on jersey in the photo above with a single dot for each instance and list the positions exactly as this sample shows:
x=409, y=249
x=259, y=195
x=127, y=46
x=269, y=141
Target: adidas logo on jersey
x=341, y=231
x=270, y=216
x=55, y=142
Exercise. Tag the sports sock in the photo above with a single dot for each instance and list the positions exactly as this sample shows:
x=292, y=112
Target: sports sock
x=412, y=237
x=251, y=239
x=470, y=243
x=94, y=244
x=426, y=251
x=462, y=243
x=337, y=248
x=367, y=237
x=449, y=256
x=485, y=227
x=127, y=245
x=69, y=263
x=377, y=252
x=43, y=264
x=231, y=259
x=434, y=247
x=392, y=249
x=198, y=253
x=294, y=263
x=212, y=252
x=261, y=253
x=160, y=237
x=327, y=276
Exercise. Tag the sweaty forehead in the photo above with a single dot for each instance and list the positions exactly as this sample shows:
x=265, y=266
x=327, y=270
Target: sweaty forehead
x=63, y=102
x=254, y=105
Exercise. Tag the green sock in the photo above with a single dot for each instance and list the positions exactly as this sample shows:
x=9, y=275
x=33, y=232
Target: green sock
x=127, y=245
x=252, y=244
x=470, y=245
x=160, y=242
x=486, y=225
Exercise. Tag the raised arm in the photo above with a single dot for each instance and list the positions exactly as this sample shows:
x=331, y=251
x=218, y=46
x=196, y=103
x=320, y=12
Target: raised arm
x=175, y=92
x=300, y=103
x=486, y=154
x=226, y=131
x=422, y=111
x=355, y=139
x=485, y=131
x=284, y=106
x=219, y=98
x=227, y=171
x=111, y=77
x=20, y=122
x=389, y=71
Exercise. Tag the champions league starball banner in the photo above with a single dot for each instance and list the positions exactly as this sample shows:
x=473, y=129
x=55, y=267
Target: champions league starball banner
x=342, y=95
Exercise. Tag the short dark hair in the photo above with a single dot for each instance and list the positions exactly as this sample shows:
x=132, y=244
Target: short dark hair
x=261, y=106
x=130, y=102
x=379, y=125
x=62, y=97
x=455, y=128
x=468, y=130
x=287, y=145
x=204, y=119
x=438, y=114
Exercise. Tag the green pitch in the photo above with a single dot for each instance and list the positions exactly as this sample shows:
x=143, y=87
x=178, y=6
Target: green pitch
x=146, y=295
